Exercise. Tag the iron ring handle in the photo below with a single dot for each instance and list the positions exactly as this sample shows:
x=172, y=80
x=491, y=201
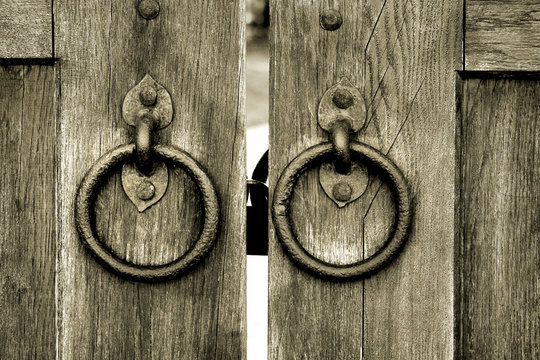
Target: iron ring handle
x=84, y=219
x=281, y=213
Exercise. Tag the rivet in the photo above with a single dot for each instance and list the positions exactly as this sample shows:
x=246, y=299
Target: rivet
x=148, y=96
x=148, y=9
x=343, y=98
x=342, y=191
x=146, y=190
x=330, y=20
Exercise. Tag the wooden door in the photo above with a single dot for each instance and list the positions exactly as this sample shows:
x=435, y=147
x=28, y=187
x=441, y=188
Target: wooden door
x=451, y=96
x=448, y=91
x=63, y=82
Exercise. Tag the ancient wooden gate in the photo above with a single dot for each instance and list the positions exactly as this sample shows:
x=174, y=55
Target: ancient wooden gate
x=403, y=177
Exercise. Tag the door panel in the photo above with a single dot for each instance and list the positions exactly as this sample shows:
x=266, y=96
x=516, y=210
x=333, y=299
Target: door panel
x=28, y=207
x=106, y=48
x=402, y=57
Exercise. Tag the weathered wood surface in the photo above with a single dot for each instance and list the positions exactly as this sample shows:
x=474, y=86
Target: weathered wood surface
x=26, y=29
x=194, y=49
x=402, y=56
x=498, y=256
x=502, y=35
x=28, y=215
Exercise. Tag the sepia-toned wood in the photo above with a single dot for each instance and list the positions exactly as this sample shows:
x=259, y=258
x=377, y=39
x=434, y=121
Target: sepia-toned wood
x=26, y=29
x=499, y=263
x=27, y=229
x=502, y=35
x=195, y=50
x=402, y=56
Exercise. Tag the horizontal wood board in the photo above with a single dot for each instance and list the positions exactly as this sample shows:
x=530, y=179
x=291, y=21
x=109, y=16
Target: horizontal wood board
x=26, y=29
x=502, y=35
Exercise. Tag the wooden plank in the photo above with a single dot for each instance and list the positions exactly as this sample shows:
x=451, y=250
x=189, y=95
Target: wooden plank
x=498, y=292
x=502, y=35
x=26, y=29
x=27, y=229
x=402, y=57
x=195, y=50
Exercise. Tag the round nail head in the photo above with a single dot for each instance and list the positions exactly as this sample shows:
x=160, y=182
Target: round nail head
x=330, y=20
x=343, y=98
x=148, y=9
x=148, y=96
x=342, y=191
x=146, y=190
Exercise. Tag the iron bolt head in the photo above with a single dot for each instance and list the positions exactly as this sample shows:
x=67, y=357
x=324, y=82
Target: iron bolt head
x=343, y=98
x=330, y=20
x=148, y=96
x=146, y=190
x=148, y=9
x=342, y=191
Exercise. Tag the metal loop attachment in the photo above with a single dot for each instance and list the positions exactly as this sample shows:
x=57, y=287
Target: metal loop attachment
x=143, y=144
x=340, y=145
x=282, y=217
x=84, y=214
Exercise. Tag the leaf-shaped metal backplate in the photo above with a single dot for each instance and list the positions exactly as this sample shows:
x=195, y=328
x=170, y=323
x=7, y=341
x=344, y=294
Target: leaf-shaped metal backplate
x=145, y=191
x=133, y=108
x=342, y=101
x=343, y=188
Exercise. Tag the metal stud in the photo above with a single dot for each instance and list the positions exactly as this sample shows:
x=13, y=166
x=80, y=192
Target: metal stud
x=330, y=20
x=148, y=9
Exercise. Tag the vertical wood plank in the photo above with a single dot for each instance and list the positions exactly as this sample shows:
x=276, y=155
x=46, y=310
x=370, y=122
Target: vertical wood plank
x=26, y=29
x=28, y=216
x=402, y=56
x=310, y=318
x=195, y=50
x=412, y=56
x=499, y=293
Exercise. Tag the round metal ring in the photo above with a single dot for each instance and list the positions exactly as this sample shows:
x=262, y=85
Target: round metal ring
x=281, y=212
x=85, y=221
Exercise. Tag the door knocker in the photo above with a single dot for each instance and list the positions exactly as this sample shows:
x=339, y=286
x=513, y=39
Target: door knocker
x=147, y=106
x=341, y=112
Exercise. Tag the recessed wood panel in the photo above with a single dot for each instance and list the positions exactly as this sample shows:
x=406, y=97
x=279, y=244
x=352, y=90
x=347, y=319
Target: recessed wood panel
x=28, y=212
x=498, y=256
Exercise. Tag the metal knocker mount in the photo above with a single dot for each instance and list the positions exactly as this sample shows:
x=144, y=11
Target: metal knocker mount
x=147, y=106
x=343, y=176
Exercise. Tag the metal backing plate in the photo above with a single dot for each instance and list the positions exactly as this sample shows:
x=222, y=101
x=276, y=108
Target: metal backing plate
x=352, y=109
x=133, y=109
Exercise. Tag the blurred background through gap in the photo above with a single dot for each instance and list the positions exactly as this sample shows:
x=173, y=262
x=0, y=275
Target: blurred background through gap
x=257, y=66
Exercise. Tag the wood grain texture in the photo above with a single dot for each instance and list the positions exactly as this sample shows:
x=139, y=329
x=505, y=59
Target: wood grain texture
x=402, y=56
x=502, y=35
x=499, y=257
x=26, y=29
x=195, y=50
x=28, y=216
